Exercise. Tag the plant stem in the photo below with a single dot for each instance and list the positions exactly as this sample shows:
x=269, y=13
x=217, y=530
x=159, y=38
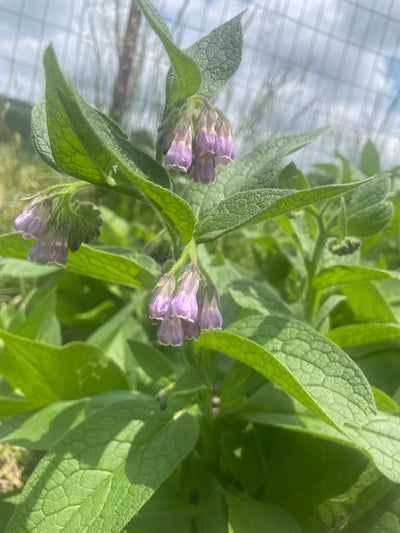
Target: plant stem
x=311, y=295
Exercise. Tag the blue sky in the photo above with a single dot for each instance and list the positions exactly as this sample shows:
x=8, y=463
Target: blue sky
x=311, y=62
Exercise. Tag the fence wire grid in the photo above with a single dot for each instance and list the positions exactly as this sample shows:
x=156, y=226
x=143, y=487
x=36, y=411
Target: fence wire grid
x=306, y=64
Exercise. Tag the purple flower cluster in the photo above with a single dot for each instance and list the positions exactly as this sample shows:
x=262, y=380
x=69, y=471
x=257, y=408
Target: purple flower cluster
x=180, y=313
x=55, y=235
x=211, y=146
x=51, y=245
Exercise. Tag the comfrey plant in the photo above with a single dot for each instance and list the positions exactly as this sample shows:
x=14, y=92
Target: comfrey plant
x=201, y=365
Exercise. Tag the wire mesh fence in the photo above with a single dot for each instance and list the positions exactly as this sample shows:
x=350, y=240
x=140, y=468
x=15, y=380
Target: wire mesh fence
x=307, y=63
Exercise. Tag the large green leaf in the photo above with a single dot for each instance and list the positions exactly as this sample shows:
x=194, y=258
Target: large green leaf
x=131, y=269
x=356, y=334
x=310, y=367
x=187, y=77
x=255, y=170
x=378, y=436
x=86, y=145
x=250, y=516
x=251, y=294
x=46, y=373
x=370, y=164
x=344, y=274
x=40, y=429
x=98, y=476
x=250, y=207
x=218, y=55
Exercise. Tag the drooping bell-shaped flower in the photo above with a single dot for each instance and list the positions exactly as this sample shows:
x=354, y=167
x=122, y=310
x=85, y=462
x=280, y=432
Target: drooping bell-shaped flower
x=159, y=308
x=207, y=138
x=184, y=304
x=225, y=150
x=31, y=223
x=204, y=168
x=191, y=330
x=210, y=316
x=51, y=248
x=170, y=332
x=179, y=156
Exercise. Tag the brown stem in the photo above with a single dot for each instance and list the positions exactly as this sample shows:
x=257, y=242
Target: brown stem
x=125, y=63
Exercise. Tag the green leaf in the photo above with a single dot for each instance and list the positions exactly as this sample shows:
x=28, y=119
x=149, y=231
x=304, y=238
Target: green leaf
x=187, y=77
x=378, y=436
x=384, y=402
x=255, y=170
x=218, y=55
x=251, y=294
x=131, y=269
x=250, y=207
x=41, y=324
x=370, y=159
x=344, y=274
x=191, y=381
x=42, y=428
x=98, y=476
x=370, y=192
x=250, y=516
x=40, y=135
x=152, y=361
x=356, y=334
x=371, y=220
x=367, y=304
x=46, y=373
x=165, y=512
x=383, y=517
x=17, y=268
x=85, y=145
x=308, y=366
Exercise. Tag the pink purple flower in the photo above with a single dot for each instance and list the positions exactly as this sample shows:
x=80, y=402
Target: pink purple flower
x=50, y=248
x=210, y=316
x=31, y=223
x=170, y=332
x=159, y=308
x=204, y=168
x=225, y=150
x=184, y=304
x=179, y=155
x=207, y=137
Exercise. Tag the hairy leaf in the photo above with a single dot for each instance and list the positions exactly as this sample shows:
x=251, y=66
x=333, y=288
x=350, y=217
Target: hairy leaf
x=131, y=269
x=98, y=476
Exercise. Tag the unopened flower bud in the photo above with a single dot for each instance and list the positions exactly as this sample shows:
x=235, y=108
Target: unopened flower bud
x=204, y=168
x=210, y=317
x=184, y=304
x=207, y=137
x=31, y=223
x=225, y=150
x=170, y=332
x=179, y=155
x=346, y=247
x=159, y=308
x=51, y=248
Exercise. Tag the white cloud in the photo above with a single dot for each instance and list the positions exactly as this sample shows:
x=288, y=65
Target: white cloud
x=304, y=64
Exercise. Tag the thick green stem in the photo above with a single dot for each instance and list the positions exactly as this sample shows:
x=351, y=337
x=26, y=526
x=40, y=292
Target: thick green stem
x=311, y=295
